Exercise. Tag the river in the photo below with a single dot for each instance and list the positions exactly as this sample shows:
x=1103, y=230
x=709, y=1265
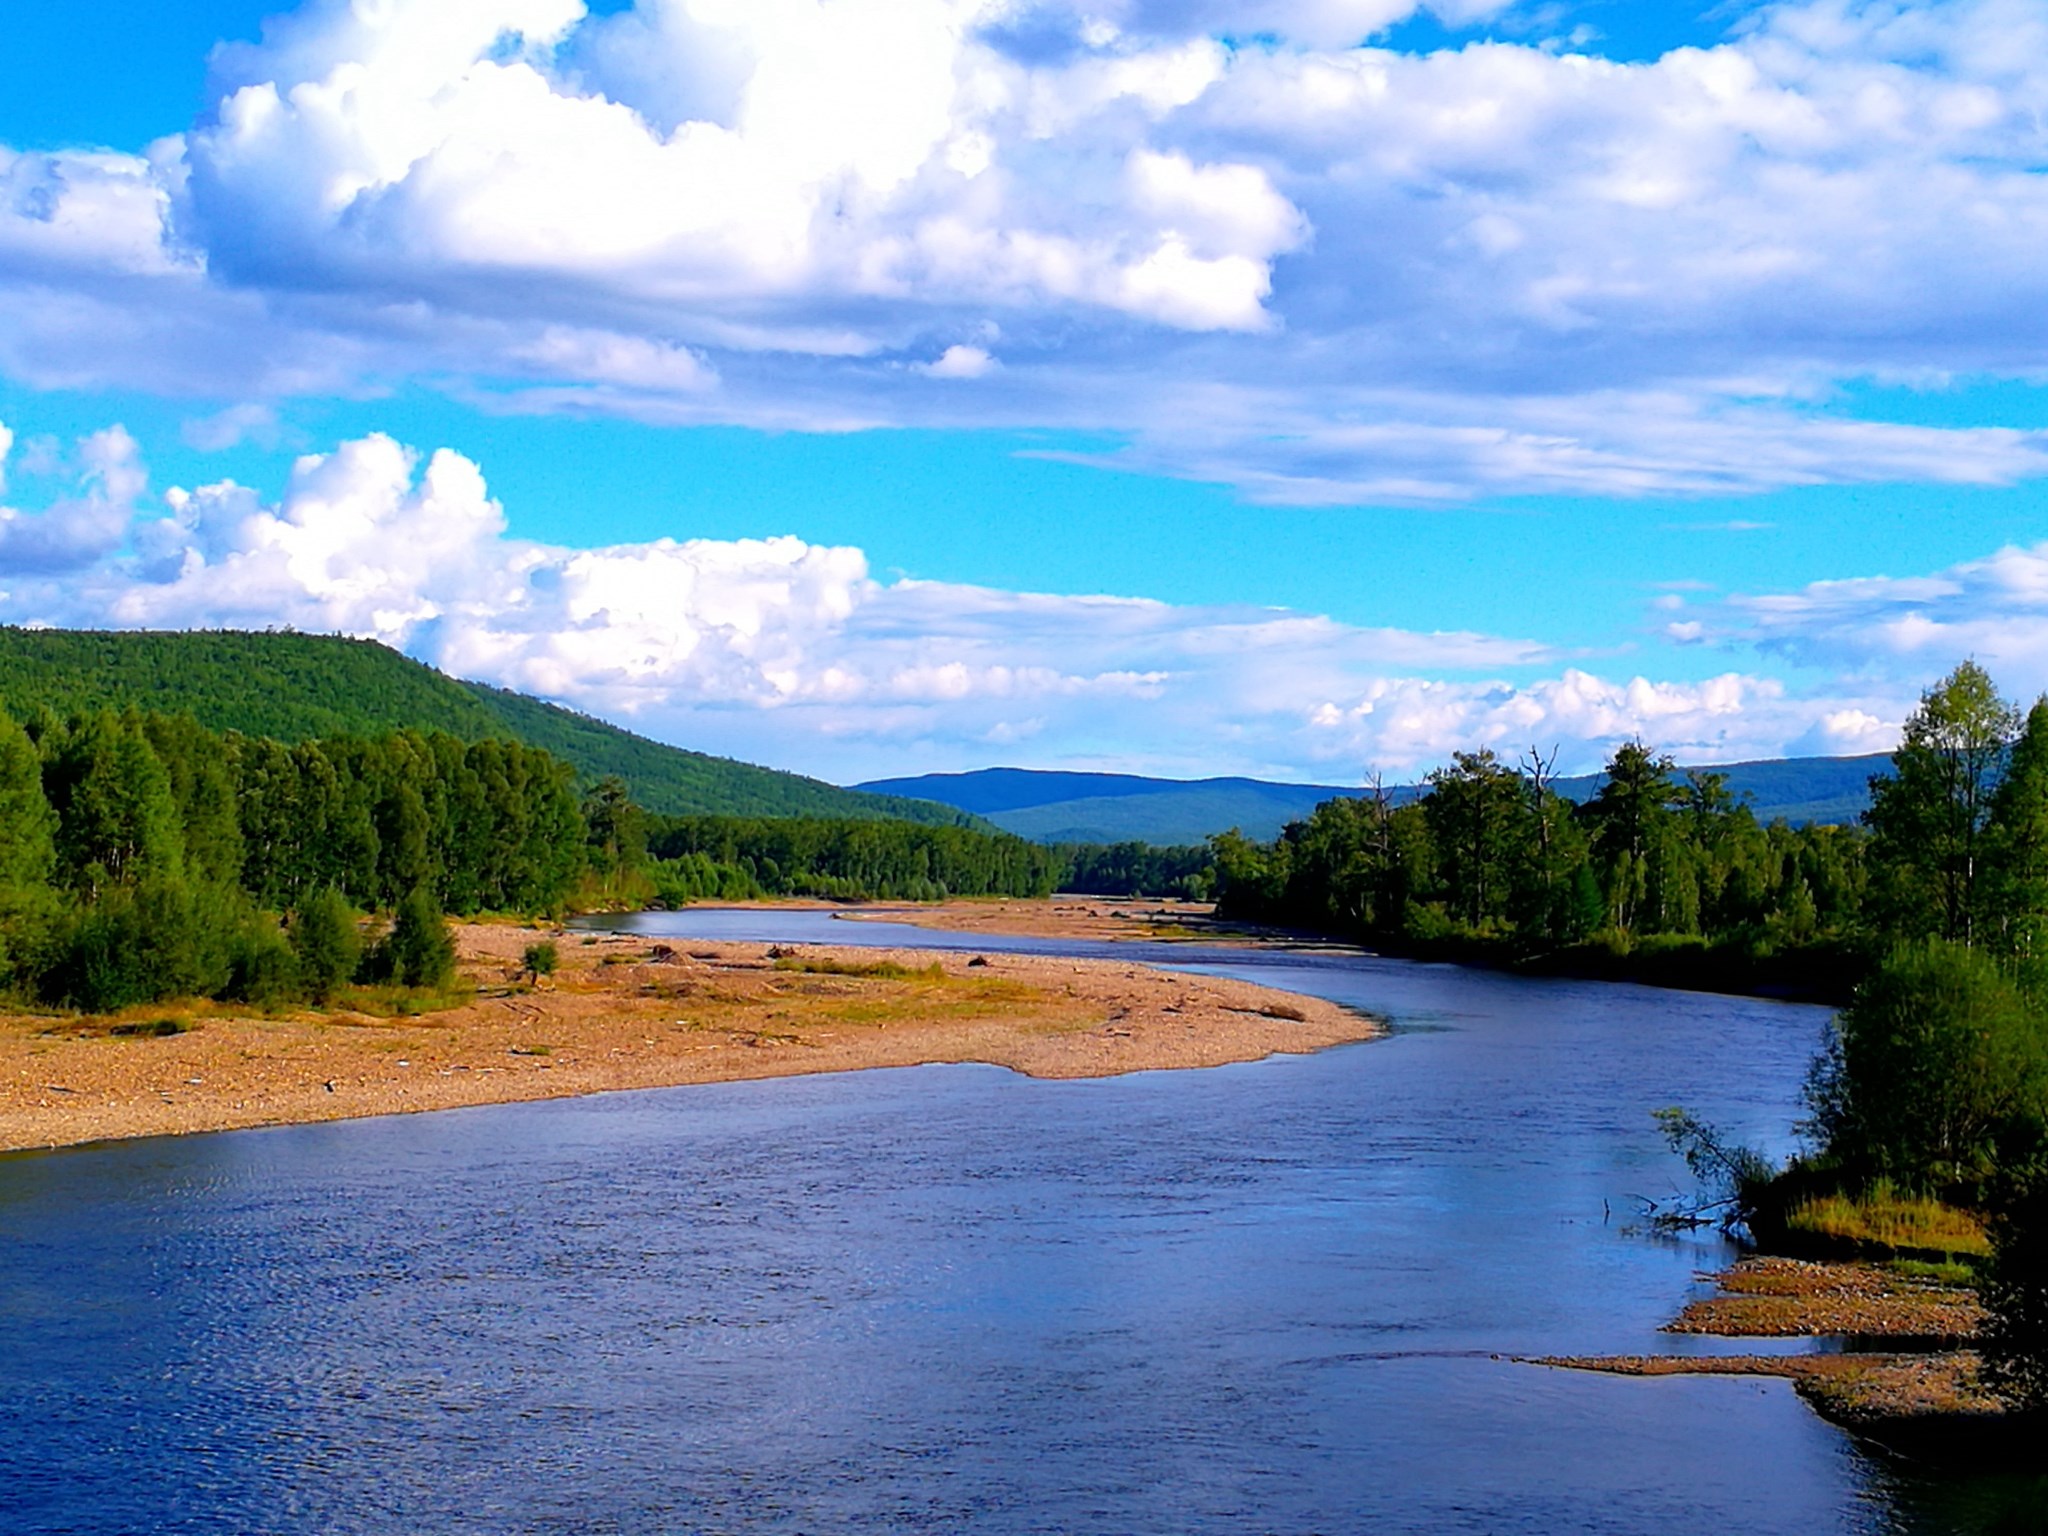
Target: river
x=1279, y=1297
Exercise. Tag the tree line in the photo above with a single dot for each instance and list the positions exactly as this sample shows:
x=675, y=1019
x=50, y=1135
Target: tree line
x=143, y=856
x=741, y=857
x=1661, y=874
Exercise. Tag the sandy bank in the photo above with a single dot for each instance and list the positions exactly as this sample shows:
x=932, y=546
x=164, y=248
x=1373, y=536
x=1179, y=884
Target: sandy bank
x=635, y=1013
x=1913, y=1384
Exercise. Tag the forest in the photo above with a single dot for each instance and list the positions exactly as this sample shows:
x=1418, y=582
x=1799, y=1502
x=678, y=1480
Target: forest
x=293, y=687
x=1659, y=876
x=738, y=857
x=143, y=856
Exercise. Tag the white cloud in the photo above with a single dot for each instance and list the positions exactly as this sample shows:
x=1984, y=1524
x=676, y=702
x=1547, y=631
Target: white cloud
x=1318, y=271
x=780, y=650
x=79, y=529
x=960, y=362
x=230, y=428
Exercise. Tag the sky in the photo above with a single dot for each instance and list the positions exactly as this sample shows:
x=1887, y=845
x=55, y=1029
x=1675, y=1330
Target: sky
x=1297, y=388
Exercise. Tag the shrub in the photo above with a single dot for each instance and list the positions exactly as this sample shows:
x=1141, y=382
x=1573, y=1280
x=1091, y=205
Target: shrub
x=1941, y=1059
x=262, y=968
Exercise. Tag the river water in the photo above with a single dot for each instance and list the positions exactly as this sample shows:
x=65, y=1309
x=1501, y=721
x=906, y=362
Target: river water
x=1277, y=1297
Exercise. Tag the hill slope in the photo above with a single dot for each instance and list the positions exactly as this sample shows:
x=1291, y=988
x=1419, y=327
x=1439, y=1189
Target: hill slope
x=1112, y=807
x=292, y=686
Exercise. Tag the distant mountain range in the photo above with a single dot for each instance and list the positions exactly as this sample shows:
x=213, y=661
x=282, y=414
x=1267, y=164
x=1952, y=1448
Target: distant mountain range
x=1055, y=807
x=291, y=687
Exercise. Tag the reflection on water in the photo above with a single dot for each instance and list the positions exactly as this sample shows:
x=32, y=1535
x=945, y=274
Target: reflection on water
x=1275, y=1297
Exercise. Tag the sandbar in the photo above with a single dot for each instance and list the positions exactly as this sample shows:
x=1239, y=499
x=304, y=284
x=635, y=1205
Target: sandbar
x=633, y=1012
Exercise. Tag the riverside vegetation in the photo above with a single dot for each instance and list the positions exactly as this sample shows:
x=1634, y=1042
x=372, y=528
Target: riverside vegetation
x=1927, y=1138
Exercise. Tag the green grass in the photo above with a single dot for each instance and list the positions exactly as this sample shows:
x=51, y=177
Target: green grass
x=1944, y=1272
x=394, y=1002
x=1883, y=1219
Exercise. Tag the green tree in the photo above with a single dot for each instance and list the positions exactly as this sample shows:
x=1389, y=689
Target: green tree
x=325, y=938
x=1942, y=1062
x=1929, y=818
x=540, y=960
x=1474, y=809
x=1628, y=819
x=2015, y=904
x=419, y=952
x=116, y=817
x=28, y=855
x=203, y=789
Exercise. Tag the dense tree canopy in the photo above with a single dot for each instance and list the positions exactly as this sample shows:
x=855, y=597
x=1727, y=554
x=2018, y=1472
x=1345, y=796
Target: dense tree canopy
x=144, y=856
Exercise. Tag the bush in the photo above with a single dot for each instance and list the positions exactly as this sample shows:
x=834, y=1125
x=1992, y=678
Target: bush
x=540, y=960
x=1941, y=1060
x=263, y=969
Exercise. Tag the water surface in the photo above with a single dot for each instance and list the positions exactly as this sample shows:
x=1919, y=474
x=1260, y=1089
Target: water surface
x=1277, y=1297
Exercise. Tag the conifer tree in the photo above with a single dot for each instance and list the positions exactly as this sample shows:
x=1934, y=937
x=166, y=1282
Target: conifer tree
x=117, y=819
x=28, y=854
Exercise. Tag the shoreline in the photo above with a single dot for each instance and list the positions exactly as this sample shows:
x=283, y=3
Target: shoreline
x=626, y=1012
x=1906, y=1378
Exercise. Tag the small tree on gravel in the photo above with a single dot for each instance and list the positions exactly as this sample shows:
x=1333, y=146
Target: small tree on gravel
x=540, y=960
x=419, y=951
x=324, y=937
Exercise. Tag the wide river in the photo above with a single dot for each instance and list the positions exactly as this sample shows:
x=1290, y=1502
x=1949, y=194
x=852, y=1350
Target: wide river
x=1279, y=1297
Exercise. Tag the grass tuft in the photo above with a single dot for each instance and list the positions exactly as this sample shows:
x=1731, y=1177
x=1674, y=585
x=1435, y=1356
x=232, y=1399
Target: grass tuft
x=1883, y=1219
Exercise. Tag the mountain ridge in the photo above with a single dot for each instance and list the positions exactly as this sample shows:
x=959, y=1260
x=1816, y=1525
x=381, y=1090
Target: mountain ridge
x=1052, y=806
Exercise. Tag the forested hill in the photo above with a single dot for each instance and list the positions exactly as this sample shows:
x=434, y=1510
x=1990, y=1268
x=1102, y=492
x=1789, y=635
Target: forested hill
x=293, y=687
x=1116, y=807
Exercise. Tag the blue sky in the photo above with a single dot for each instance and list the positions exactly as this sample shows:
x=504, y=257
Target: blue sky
x=1276, y=386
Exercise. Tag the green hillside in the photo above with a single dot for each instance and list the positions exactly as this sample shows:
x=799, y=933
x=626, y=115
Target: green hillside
x=293, y=687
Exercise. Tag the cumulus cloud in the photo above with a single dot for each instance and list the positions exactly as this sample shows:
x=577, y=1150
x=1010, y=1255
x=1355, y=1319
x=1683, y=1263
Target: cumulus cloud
x=1262, y=248
x=781, y=650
